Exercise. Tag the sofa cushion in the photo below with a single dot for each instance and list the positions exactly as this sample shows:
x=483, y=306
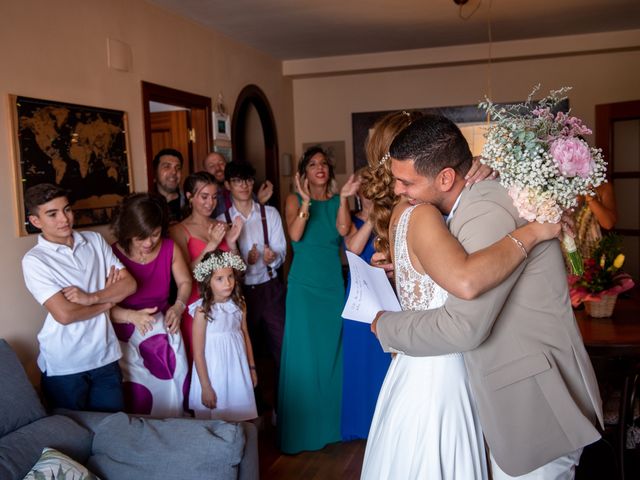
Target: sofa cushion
x=20, y=403
x=55, y=465
x=20, y=450
x=179, y=448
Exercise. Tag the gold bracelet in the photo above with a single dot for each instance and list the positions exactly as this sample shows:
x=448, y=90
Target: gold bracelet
x=519, y=244
x=303, y=215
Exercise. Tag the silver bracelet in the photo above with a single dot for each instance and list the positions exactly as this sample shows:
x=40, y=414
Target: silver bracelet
x=184, y=305
x=519, y=244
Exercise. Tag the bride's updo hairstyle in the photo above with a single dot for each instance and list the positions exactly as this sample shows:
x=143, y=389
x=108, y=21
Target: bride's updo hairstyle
x=377, y=179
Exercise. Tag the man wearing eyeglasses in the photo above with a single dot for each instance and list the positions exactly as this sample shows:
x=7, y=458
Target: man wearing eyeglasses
x=263, y=247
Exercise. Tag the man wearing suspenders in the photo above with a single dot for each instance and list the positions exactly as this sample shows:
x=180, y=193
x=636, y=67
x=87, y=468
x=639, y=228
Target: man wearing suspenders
x=263, y=247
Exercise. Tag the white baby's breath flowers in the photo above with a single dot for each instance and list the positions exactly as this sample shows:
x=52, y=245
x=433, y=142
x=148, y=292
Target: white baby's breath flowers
x=217, y=262
x=518, y=145
x=542, y=158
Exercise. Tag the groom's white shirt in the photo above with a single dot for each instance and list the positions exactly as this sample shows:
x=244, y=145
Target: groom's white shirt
x=453, y=210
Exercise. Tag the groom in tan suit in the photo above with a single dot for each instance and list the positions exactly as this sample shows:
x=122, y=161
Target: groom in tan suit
x=536, y=391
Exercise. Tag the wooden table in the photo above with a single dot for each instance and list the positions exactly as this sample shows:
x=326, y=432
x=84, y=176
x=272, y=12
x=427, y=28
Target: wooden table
x=618, y=339
x=618, y=335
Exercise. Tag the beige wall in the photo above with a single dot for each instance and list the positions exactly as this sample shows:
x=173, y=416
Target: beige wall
x=323, y=104
x=58, y=51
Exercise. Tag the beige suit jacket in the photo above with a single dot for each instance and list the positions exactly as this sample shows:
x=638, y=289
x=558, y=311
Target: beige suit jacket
x=534, y=384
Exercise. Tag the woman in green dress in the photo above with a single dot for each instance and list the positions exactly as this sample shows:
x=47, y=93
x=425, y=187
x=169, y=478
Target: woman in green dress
x=311, y=373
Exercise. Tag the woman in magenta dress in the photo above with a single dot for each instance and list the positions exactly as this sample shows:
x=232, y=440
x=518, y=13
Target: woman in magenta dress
x=154, y=363
x=198, y=234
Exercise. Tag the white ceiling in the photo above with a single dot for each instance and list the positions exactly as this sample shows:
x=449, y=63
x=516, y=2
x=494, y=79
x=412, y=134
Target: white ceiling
x=293, y=29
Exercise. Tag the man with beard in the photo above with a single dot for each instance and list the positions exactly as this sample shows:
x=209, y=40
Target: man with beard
x=167, y=167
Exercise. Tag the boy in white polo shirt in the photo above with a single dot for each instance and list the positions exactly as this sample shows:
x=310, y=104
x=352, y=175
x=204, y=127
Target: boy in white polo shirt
x=77, y=278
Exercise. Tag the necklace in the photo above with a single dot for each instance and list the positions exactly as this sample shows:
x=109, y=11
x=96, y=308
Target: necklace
x=140, y=258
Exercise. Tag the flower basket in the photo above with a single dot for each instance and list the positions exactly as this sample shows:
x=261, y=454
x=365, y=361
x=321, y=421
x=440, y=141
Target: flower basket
x=601, y=283
x=601, y=308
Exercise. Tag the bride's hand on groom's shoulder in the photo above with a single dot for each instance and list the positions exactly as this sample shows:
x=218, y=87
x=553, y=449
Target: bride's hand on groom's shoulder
x=547, y=231
x=479, y=172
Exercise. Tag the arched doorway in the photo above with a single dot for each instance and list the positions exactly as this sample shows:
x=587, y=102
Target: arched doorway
x=250, y=100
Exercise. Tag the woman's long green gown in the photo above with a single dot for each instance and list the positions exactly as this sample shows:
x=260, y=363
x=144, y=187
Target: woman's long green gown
x=311, y=372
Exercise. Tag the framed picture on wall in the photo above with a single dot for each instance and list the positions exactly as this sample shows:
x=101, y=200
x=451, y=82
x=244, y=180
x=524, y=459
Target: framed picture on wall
x=81, y=148
x=221, y=126
x=471, y=120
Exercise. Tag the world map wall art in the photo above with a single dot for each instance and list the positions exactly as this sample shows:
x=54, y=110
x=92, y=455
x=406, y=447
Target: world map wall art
x=82, y=149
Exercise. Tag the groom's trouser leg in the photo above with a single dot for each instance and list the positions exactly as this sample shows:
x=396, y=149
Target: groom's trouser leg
x=563, y=468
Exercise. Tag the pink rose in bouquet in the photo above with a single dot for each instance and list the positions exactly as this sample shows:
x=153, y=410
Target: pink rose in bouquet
x=572, y=156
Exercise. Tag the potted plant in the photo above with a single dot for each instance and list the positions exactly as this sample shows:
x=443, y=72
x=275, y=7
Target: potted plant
x=598, y=287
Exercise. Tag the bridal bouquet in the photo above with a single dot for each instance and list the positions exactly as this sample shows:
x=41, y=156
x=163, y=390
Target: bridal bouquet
x=543, y=160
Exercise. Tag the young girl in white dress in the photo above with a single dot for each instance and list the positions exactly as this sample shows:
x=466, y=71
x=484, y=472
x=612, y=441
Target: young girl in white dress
x=224, y=372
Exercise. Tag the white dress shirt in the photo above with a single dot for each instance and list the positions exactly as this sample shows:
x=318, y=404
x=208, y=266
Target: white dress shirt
x=252, y=234
x=47, y=269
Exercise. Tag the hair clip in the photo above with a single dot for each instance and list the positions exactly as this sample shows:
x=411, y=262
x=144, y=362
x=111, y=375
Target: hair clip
x=404, y=112
x=384, y=159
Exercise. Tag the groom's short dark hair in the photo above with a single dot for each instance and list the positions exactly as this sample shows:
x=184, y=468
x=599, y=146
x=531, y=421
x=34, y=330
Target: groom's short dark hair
x=433, y=142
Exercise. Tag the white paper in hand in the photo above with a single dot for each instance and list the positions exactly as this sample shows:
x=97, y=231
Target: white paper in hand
x=370, y=291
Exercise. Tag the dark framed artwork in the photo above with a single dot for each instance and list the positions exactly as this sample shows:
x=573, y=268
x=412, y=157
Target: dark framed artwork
x=221, y=126
x=470, y=115
x=81, y=148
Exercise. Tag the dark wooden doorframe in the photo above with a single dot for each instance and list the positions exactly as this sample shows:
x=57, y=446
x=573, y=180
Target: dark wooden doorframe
x=253, y=95
x=152, y=92
x=606, y=116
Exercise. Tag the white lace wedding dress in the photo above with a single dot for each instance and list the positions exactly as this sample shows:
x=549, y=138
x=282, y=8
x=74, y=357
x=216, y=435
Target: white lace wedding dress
x=425, y=425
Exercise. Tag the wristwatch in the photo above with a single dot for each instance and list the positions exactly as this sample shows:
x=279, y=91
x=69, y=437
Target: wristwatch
x=303, y=215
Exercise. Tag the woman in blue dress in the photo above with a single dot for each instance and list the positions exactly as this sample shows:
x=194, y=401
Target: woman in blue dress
x=364, y=362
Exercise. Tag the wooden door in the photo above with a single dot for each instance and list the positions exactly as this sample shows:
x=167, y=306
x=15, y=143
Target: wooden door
x=199, y=141
x=171, y=130
x=195, y=117
x=618, y=134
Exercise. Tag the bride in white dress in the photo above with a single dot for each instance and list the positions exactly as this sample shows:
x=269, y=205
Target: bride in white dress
x=425, y=424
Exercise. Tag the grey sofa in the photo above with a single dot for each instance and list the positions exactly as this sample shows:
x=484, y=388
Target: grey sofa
x=117, y=446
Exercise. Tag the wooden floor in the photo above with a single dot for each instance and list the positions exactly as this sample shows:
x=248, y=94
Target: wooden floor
x=335, y=461
x=344, y=461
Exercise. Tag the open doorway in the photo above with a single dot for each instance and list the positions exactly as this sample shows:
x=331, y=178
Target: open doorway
x=254, y=137
x=179, y=120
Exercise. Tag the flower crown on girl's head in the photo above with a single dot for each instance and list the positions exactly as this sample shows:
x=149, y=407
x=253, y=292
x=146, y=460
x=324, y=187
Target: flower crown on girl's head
x=216, y=262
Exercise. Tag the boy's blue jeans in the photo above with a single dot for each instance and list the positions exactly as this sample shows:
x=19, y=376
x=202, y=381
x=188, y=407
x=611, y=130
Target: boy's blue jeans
x=98, y=390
